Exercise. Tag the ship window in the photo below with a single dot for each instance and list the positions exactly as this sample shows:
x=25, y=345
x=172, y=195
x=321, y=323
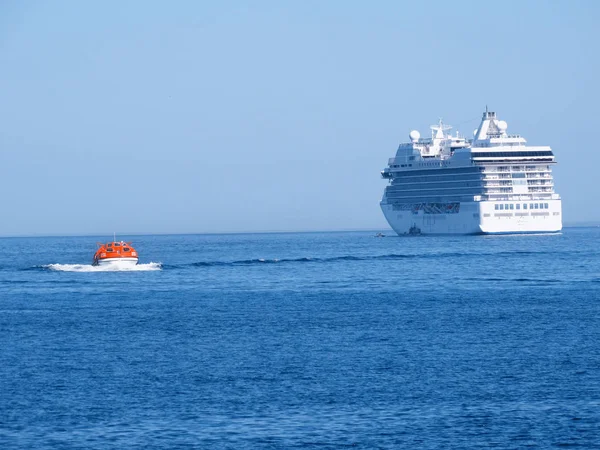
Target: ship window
x=531, y=206
x=496, y=207
x=109, y=249
x=126, y=249
x=546, y=205
x=536, y=206
x=117, y=244
x=518, y=206
x=512, y=206
x=524, y=205
x=501, y=207
x=506, y=206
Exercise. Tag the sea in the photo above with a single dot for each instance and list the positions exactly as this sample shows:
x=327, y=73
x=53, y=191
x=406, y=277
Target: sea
x=302, y=340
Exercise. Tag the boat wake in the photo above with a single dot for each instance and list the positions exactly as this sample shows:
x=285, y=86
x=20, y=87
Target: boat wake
x=109, y=268
x=354, y=258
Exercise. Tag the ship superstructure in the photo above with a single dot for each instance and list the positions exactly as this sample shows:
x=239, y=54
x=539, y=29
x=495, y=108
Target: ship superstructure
x=493, y=183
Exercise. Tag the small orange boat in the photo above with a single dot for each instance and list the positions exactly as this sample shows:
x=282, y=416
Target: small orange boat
x=115, y=253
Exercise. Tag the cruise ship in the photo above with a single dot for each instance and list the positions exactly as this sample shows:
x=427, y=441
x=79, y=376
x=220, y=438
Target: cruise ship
x=492, y=184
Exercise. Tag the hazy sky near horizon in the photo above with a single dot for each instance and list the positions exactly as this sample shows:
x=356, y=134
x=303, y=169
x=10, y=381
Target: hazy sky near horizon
x=156, y=117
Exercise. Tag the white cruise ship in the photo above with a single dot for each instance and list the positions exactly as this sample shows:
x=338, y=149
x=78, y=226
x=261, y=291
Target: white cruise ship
x=492, y=184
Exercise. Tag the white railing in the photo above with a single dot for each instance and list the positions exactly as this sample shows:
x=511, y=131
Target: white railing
x=515, y=169
x=540, y=183
x=520, y=197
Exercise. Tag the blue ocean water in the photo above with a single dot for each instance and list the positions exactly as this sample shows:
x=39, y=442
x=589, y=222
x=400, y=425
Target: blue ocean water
x=302, y=340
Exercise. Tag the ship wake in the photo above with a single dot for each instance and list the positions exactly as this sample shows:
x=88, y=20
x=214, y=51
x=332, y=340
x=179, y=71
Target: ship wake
x=114, y=268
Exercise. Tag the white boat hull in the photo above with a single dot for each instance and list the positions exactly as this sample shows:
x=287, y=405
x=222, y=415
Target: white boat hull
x=477, y=218
x=117, y=262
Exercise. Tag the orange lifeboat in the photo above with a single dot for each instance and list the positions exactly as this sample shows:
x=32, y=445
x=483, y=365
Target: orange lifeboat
x=115, y=253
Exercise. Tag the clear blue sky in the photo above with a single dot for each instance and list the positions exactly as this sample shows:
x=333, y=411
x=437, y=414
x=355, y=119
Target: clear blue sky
x=194, y=116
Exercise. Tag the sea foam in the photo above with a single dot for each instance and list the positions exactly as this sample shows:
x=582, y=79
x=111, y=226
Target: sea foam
x=89, y=268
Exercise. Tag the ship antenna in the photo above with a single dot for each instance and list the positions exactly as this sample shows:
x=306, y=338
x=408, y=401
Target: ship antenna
x=114, y=236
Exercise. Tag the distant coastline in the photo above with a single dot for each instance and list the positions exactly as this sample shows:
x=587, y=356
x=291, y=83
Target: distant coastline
x=591, y=223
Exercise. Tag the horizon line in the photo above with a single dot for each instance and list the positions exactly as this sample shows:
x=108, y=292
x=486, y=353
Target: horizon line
x=583, y=224
x=145, y=233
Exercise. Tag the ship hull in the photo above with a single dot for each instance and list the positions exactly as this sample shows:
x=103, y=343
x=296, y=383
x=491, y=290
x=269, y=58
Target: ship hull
x=116, y=262
x=477, y=218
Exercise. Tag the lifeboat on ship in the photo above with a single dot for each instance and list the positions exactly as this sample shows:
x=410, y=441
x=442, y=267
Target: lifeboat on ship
x=120, y=254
